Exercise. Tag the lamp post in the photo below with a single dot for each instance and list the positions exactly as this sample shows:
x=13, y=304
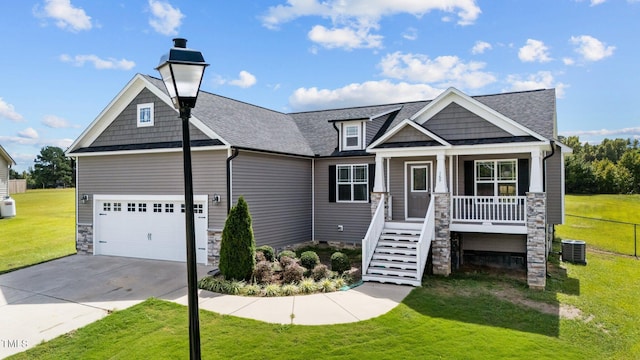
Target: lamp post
x=182, y=70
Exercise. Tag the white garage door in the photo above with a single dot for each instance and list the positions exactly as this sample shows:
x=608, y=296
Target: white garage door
x=149, y=227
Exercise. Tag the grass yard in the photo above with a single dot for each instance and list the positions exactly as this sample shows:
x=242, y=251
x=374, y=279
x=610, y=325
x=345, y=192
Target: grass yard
x=42, y=230
x=614, y=237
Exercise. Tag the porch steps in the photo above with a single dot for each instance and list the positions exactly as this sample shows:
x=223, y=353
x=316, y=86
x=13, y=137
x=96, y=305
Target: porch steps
x=395, y=258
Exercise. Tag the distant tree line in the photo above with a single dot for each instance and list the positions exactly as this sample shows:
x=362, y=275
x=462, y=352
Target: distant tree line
x=611, y=167
x=52, y=169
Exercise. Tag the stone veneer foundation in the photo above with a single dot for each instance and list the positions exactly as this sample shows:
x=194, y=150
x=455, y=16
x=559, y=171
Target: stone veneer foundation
x=536, y=241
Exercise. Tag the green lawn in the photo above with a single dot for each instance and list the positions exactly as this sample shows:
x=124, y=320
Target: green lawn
x=43, y=228
x=614, y=237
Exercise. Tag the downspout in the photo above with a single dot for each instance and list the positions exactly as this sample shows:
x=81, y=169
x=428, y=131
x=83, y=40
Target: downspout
x=338, y=133
x=234, y=154
x=544, y=188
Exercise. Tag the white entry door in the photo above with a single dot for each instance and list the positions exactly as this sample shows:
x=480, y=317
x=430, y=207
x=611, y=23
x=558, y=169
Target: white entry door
x=149, y=227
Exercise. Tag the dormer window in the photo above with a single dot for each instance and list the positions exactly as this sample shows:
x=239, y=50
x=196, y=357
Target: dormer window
x=352, y=136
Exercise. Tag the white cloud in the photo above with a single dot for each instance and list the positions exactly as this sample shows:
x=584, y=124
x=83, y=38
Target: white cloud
x=534, y=50
x=24, y=139
x=66, y=16
x=165, y=18
x=359, y=94
x=28, y=133
x=633, y=132
x=539, y=80
x=410, y=34
x=591, y=48
x=568, y=61
x=8, y=111
x=245, y=80
x=597, y=2
x=354, y=20
x=347, y=38
x=444, y=71
x=56, y=122
x=98, y=63
x=480, y=47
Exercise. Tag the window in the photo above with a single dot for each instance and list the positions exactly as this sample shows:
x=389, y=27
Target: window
x=106, y=207
x=145, y=115
x=198, y=209
x=168, y=208
x=419, y=179
x=142, y=207
x=131, y=207
x=353, y=183
x=117, y=206
x=157, y=208
x=351, y=137
x=496, y=178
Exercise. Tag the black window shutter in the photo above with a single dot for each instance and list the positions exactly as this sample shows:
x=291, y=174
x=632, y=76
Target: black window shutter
x=468, y=178
x=372, y=177
x=332, y=183
x=523, y=176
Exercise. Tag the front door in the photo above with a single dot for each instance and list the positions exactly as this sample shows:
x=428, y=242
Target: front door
x=418, y=189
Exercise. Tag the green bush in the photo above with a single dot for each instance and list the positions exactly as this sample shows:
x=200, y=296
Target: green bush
x=286, y=261
x=293, y=273
x=340, y=262
x=327, y=285
x=289, y=289
x=272, y=290
x=251, y=290
x=320, y=271
x=287, y=253
x=237, y=249
x=307, y=286
x=309, y=259
x=214, y=284
x=267, y=251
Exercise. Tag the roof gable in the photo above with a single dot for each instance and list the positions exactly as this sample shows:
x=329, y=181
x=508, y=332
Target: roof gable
x=476, y=107
x=4, y=154
x=408, y=132
x=454, y=122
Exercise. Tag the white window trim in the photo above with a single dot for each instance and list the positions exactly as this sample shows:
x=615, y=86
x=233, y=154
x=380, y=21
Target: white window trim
x=351, y=183
x=138, y=120
x=360, y=126
x=495, y=181
x=428, y=182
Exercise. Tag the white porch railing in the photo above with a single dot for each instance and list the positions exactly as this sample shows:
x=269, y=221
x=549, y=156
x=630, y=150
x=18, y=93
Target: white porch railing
x=489, y=209
x=427, y=233
x=370, y=240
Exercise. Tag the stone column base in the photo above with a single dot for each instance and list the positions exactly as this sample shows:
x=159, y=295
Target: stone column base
x=536, y=240
x=441, y=245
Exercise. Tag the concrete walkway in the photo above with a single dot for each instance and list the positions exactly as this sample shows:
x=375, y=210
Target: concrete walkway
x=47, y=300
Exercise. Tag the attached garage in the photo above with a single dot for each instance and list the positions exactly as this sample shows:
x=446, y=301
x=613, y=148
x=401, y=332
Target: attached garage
x=147, y=226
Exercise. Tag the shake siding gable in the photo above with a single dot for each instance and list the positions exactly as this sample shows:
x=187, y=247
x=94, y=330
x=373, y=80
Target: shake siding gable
x=278, y=191
x=167, y=125
x=553, y=174
x=457, y=123
x=354, y=217
x=152, y=174
x=408, y=134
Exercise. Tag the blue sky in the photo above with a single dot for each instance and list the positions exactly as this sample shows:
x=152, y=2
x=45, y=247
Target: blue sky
x=63, y=61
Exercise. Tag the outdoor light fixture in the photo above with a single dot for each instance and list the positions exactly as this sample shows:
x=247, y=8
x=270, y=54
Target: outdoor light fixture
x=182, y=70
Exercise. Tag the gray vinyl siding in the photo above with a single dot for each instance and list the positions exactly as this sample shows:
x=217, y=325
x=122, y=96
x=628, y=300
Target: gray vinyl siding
x=553, y=184
x=4, y=178
x=354, y=217
x=124, y=129
x=152, y=174
x=408, y=134
x=278, y=192
x=494, y=242
x=397, y=186
x=459, y=190
x=457, y=123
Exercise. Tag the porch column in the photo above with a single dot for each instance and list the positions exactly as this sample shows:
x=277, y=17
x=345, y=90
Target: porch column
x=441, y=175
x=441, y=244
x=378, y=185
x=536, y=240
x=536, y=172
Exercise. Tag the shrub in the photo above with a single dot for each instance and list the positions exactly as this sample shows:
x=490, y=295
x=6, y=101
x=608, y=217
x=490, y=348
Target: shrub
x=214, y=284
x=260, y=256
x=237, y=249
x=327, y=285
x=263, y=272
x=320, y=271
x=233, y=287
x=340, y=283
x=340, y=262
x=307, y=286
x=289, y=289
x=293, y=273
x=309, y=259
x=287, y=253
x=267, y=251
x=251, y=290
x=286, y=261
x=272, y=290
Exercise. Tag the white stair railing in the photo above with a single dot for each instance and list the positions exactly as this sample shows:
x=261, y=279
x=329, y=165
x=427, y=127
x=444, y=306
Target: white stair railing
x=427, y=233
x=370, y=240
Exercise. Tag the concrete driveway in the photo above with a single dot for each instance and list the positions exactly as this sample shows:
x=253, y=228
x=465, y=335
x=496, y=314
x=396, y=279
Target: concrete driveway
x=47, y=300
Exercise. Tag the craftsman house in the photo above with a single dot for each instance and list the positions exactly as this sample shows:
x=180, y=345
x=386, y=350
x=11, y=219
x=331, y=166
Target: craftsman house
x=455, y=179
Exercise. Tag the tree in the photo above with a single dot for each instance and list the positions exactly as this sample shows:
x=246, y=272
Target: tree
x=631, y=161
x=52, y=169
x=238, y=247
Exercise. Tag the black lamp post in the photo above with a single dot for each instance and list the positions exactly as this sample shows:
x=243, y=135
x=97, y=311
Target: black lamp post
x=182, y=70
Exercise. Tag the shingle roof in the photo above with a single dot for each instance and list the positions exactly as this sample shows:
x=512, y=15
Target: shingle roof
x=312, y=133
